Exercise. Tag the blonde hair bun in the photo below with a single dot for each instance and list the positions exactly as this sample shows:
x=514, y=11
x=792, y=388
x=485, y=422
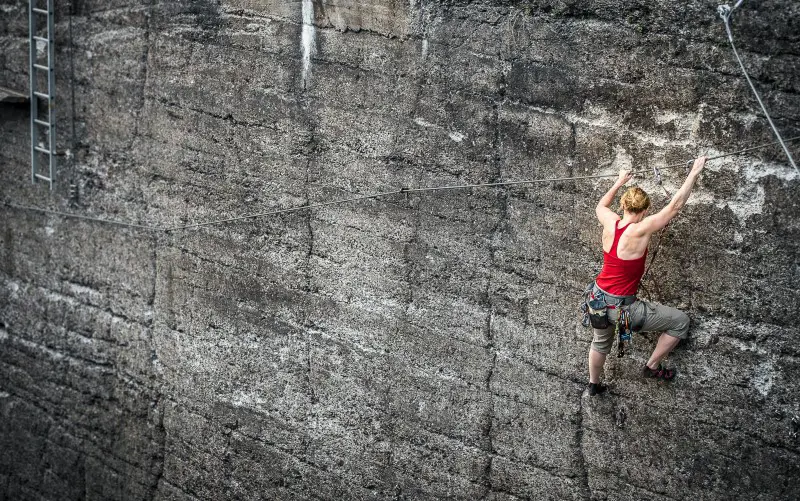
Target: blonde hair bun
x=635, y=200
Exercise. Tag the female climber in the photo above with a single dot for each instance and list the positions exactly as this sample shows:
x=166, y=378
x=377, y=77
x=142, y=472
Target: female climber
x=625, y=243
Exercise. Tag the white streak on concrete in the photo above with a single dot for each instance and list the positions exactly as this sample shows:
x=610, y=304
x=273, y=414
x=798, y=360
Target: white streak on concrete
x=750, y=196
x=695, y=124
x=457, y=136
x=601, y=118
x=666, y=117
x=424, y=49
x=747, y=346
x=82, y=290
x=749, y=201
x=705, y=330
x=51, y=353
x=764, y=377
x=110, y=38
x=755, y=171
x=622, y=160
x=246, y=399
x=308, y=39
x=60, y=298
x=746, y=119
x=423, y=123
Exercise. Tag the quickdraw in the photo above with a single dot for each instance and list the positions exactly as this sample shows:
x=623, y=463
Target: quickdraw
x=622, y=329
x=658, y=180
x=657, y=175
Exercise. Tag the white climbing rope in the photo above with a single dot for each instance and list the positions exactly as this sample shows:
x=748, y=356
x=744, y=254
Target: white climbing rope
x=725, y=12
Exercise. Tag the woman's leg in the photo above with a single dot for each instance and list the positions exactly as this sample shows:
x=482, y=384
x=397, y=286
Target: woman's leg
x=665, y=345
x=601, y=346
x=596, y=362
x=660, y=318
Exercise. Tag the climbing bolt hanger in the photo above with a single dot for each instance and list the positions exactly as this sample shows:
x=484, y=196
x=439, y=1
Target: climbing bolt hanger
x=725, y=12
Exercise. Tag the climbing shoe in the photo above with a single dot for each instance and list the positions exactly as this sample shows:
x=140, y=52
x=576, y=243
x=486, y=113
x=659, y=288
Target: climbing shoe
x=596, y=389
x=662, y=373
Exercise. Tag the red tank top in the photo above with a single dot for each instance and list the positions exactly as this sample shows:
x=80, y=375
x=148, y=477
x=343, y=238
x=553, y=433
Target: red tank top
x=620, y=277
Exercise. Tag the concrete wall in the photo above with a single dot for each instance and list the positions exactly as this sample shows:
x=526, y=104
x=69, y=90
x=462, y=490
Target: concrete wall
x=421, y=346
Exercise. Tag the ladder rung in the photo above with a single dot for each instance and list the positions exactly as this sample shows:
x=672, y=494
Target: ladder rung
x=42, y=39
x=43, y=178
x=42, y=122
x=40, y=67
x=41, y=11
x=42, y=95
x=42, y=150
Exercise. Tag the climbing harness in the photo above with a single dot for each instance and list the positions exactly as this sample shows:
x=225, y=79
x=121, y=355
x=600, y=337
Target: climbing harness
x=595, y=309
x=725, y=12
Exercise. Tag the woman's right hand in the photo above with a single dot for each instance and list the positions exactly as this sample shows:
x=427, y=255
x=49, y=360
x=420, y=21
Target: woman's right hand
x=699, y=163
x=625, y=175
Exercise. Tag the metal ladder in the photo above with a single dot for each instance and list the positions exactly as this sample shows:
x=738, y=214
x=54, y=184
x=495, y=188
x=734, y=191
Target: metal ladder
x=47, y=71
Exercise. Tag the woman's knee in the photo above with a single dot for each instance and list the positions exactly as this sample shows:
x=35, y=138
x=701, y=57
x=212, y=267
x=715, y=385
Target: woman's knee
x=680, y=327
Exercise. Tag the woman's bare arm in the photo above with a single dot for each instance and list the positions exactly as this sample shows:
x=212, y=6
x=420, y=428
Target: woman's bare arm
x=603, y=209
x=653, y=223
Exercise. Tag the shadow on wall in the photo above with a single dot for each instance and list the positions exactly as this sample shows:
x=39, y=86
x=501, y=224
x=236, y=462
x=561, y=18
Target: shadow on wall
x=15, y=122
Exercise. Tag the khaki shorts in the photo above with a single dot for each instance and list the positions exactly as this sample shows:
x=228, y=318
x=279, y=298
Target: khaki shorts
x=645, y=317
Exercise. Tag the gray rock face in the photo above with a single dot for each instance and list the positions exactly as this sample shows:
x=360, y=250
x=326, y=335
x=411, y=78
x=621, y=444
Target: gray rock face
x=417, y=346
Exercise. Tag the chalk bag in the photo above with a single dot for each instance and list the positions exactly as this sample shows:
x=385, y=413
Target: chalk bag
x=598, y=314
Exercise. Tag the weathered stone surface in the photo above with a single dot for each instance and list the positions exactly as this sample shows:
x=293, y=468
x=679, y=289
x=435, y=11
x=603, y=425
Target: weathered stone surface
x=418, y=346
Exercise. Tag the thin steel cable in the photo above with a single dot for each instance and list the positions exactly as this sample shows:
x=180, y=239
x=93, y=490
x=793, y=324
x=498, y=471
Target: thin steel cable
x=725, y=12
x=452, y=187
x=79, y=216
x=791, y=139
x=283, y=211
x=363, y=197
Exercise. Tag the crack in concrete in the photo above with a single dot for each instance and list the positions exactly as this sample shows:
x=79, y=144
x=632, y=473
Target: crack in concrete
x=588, y=494
x=307, y=322
x=145, y=58
x=408, y=275
x=226, y=117
x=161, y=443
x=491, y=352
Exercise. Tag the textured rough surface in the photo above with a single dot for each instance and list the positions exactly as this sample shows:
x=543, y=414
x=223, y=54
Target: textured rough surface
x=422, y=346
